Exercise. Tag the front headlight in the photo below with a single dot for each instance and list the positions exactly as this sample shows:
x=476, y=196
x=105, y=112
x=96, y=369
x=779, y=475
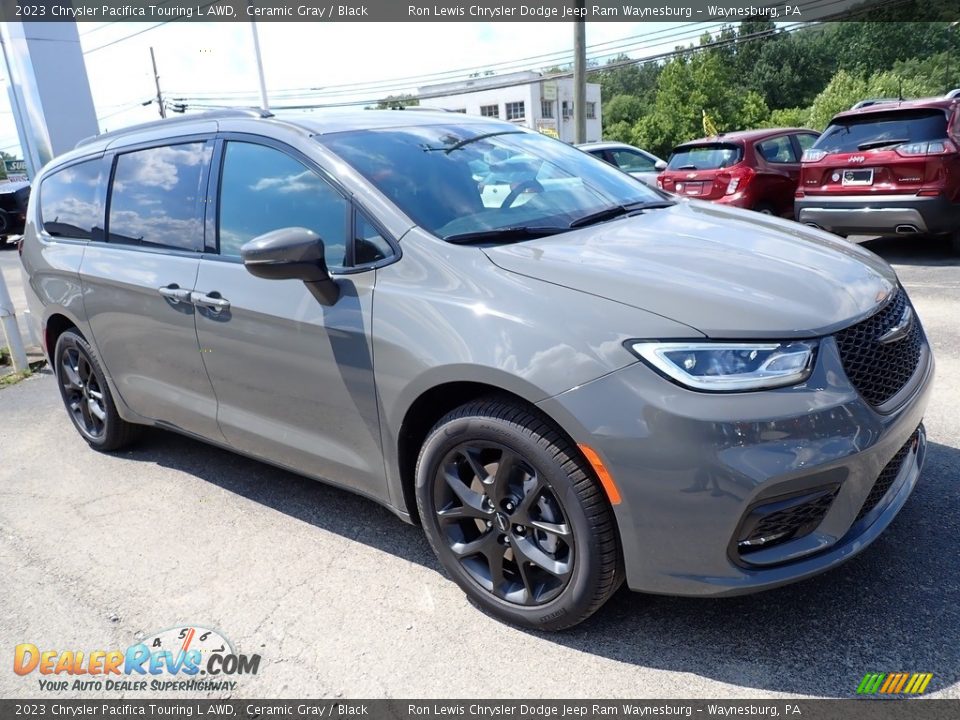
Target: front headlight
x=730, y=366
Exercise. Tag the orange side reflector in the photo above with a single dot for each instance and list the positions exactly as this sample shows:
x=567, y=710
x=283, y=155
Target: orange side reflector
x=613, y=494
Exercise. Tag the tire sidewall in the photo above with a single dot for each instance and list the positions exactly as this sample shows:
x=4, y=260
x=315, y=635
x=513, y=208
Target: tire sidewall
x=578, y=594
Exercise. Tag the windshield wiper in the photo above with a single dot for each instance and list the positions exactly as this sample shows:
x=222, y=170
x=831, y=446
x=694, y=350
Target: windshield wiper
x=616, y=211
x=507, y=234
x=879, y=143
x=457, y=145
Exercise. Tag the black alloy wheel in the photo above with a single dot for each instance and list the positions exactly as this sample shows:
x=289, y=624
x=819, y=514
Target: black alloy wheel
x=504, y=523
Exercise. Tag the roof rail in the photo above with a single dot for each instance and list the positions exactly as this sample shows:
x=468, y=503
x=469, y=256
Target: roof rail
x=953, y=93
x=225, y=113
x=873, y=101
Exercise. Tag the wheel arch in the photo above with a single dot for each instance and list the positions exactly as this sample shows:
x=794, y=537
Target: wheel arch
x=436, y=401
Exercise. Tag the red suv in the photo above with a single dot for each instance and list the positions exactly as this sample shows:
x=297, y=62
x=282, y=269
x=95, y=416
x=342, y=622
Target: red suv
x=753, y=169
x=886, y=167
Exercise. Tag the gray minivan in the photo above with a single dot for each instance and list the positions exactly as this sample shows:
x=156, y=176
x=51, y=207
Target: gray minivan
x=570, y=383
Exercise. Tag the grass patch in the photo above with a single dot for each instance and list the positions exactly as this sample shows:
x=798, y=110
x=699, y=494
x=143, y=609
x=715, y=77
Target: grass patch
x=13, y=378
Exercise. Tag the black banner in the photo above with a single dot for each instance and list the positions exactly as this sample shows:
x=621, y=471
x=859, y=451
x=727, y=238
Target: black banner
x=475, y=10
x=854, y=709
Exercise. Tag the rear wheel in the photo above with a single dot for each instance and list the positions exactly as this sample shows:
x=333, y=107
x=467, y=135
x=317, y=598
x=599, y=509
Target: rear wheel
x=86, y=395
x=764, y=209
x=515, y=516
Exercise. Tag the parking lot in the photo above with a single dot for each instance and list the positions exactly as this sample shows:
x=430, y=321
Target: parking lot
x=340, y=598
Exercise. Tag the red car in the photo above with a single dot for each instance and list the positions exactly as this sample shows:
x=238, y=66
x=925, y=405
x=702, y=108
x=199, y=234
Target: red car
x=886, y=167
x=753, y=169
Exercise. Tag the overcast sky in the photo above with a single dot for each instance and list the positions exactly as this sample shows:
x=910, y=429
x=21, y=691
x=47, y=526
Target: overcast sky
x=217, y=58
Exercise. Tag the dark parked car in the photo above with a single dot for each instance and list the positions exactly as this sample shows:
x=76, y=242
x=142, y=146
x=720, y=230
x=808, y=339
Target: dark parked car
x=583, y=383
x=886, y=167
x=755, y=169
x=14, y=197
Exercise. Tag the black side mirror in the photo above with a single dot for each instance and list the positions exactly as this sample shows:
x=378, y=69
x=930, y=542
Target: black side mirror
x=292, y=253
x=660, y=165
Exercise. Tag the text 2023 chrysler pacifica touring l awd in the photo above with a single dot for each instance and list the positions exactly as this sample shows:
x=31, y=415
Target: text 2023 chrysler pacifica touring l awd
x=570, y=383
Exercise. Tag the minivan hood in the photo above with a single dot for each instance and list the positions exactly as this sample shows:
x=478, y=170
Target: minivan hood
x=728, y=273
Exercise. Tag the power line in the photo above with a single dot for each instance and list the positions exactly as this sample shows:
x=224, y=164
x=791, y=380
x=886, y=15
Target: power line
x=559, y=57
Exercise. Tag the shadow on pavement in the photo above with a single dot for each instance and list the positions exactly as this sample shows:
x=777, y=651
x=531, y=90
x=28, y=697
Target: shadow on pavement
x=896, y=607
x=914, y=250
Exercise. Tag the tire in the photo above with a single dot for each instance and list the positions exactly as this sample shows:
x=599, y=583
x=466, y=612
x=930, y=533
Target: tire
x=86, y=395
x=764, y=209
x=516, y=517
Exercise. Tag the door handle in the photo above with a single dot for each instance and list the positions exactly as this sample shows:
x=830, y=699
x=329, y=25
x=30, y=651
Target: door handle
x=213, y=301
x=175, y=293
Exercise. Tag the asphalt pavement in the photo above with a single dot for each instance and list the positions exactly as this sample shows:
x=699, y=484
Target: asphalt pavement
x=341, y=599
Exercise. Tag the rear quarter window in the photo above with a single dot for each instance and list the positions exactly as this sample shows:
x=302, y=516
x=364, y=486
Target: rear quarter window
x=72, y=199
x=713, y=156
x=877, y=130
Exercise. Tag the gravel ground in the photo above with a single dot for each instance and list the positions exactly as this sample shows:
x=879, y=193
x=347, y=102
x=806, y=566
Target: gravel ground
x=342, y=599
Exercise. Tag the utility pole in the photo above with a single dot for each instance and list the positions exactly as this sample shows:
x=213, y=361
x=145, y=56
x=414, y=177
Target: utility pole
x=580, y=73
x=264, y=105
x=156, y=79
x=8, y=321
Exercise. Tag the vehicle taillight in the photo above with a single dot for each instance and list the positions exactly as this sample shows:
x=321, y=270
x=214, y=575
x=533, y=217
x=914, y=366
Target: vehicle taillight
x=665, y=182
x=738, y=179
x=936, y=147
x=660, y=182
x=813, y=155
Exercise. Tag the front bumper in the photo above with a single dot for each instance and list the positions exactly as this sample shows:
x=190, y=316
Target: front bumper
x=690, y=467
x=877, y=214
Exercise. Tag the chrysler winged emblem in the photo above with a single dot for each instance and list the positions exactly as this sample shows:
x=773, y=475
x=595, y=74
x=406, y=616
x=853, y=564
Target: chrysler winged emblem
x=900, y=330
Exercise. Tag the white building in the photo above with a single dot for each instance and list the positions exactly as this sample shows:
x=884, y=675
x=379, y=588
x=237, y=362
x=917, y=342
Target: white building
x=524, y=98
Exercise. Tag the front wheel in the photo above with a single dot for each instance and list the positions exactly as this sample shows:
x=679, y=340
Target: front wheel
x=87, y=397
x=515, y=516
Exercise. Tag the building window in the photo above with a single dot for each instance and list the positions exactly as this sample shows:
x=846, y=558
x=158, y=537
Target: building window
x=567, y=109
x=591, y=110
x=546, y=109
x=516, y=110
x=490, y=111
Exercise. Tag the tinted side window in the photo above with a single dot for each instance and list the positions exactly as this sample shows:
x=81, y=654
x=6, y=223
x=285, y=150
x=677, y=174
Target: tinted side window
x=264, y=189
x=71, y=201
x=777, y=150
x=630, y=161
x=369, y=245
x=156, y=197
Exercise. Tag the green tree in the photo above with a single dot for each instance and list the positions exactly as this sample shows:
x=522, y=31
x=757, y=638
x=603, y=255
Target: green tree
x=392, y=102
x=623, y=108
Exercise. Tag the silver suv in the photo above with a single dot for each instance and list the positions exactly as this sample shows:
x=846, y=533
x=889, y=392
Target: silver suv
x=568, y=378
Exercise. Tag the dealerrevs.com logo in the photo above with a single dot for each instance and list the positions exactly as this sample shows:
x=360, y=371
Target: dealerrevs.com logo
x=190, y=658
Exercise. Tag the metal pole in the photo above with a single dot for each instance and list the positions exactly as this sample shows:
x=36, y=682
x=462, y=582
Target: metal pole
x=256, y=49
x=580, y=75
x=156, y=79
x=11, y=331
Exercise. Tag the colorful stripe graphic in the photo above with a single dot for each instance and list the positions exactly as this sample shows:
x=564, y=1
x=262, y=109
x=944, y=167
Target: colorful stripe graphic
x=894, y=683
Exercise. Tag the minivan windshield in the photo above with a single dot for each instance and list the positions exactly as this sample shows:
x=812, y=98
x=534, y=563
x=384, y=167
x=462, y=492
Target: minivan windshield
x=878, y=130
x=475, y=180
x=713, y=156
